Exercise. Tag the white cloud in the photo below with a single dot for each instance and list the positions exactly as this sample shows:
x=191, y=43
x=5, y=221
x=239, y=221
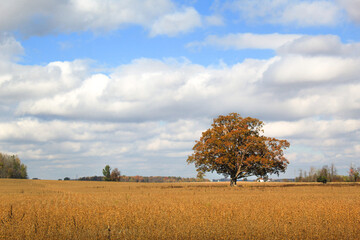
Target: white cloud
x=318, y=13
x=89, y=145
x=10, y=49
x=317, y=159
x=310, y=128
x=319, y=142
x=284, y=44
x=19, y=82
x=325, y=45
x=30, y=130
x=247, y=41
x=298, y=13
x=57, y=166
x=74, y=102
x=175, y=23
x=149, y=112
x=46, y=17
x=160, y=144
x=292, y=69
x=214, y=20
x=291, y=86
x=352, y=7
x=148, y=89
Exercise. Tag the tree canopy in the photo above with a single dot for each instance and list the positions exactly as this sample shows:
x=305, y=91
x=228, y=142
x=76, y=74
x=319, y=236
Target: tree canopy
x=111, y=175
x=107, y=173
x=11, y=167
x=115, y=175
x=235, y=147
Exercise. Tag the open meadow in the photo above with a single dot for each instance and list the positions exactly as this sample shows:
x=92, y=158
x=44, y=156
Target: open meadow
x=39, y=209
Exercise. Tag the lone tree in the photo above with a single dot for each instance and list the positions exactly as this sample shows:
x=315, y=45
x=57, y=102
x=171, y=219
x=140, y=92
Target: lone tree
x=107, y=173
x=234, y=147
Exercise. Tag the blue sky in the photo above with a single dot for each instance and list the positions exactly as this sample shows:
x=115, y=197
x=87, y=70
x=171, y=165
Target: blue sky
x=85, y=83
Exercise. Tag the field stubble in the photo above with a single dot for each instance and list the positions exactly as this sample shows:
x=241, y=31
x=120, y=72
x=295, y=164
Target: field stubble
x=37, y=209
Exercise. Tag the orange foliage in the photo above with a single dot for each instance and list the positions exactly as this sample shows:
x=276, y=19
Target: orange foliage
x=234, y=146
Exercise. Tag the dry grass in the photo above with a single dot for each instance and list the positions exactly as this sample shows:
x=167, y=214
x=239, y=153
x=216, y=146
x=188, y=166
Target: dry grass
x=33, y=209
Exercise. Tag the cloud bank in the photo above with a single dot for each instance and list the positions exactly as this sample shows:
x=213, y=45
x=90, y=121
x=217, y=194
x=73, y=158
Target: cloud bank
x=247, y=41
x=152, y=108
x=144, y=115
x=51, y=17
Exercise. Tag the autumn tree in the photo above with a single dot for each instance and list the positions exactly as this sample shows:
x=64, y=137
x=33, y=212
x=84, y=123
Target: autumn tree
x=235, y=147
x=115, y=175
x=111, y=175
x=11, y=167
x=354, y=174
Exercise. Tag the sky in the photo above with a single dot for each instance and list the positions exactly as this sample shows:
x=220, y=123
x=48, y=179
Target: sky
x=133, y=83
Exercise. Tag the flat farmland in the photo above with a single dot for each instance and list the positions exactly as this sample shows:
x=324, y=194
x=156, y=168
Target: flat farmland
x=39, y=209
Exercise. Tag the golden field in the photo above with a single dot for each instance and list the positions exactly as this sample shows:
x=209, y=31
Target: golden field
x=39, y=209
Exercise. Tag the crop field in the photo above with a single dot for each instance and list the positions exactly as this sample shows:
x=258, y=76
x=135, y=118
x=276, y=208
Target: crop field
x=39, y=209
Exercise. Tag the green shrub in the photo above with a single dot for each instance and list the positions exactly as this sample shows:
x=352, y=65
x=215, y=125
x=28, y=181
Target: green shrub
x=322, y=179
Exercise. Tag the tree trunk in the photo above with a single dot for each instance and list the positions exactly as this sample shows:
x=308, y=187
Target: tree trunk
x=233, y=182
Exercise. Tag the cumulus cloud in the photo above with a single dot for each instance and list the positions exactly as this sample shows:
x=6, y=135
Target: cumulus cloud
x=319, y=13
x=291, y=69
x=145, y=146
x=19, y=82
x=299, y=13
x=325, y=45
x=304, y=80
x=288, y=87
x=284, y=44
x=150, y=111
x=310, y=128
x=176, y=23
x=30, y=130
x=318, y=142
x=76, y=102
x=247, y=41
x=352, y=8
x=10, y=49
x=149, y=90
x=46, y=17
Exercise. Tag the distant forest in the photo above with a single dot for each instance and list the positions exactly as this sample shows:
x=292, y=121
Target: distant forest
x=151, y=179
x=328, y=174
x=115, y=176
x=11, y=167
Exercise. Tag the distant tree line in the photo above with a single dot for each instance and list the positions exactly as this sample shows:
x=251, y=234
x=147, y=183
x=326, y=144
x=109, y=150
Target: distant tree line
x=93, y=178
x=114, y=175
x=328, y=174
x=156, y=179
x=151, y=179
x=11, y=167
